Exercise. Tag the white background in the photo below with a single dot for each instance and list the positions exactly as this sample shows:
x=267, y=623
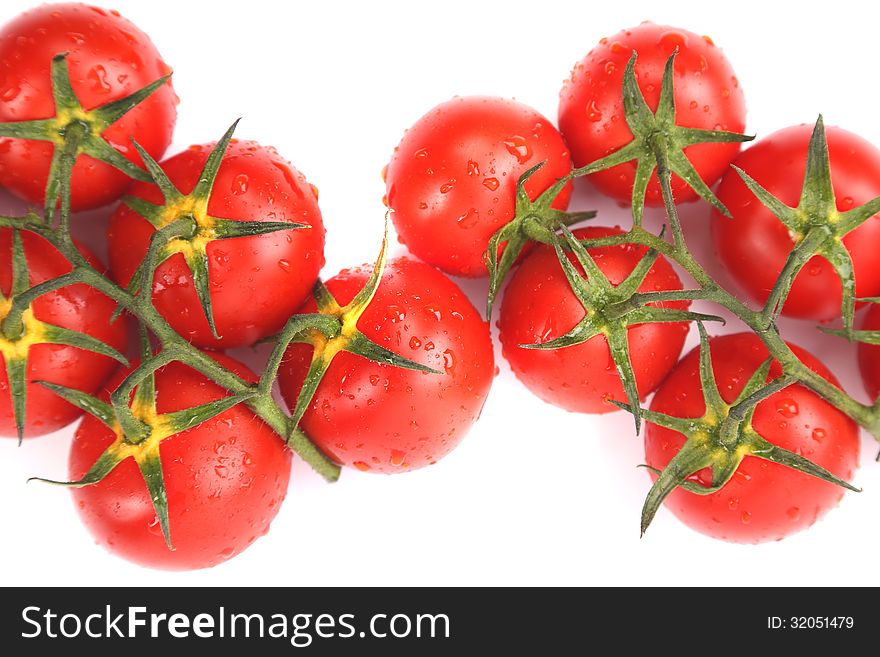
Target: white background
x=534, y=495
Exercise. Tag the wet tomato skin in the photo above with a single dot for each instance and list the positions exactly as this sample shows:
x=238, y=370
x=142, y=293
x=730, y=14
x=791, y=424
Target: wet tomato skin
x=451, y=181
x=763, y=501
x=108, y=58
x=384, y=419
x=225, y=480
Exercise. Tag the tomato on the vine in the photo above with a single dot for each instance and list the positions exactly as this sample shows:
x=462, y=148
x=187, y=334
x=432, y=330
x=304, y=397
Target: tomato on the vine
x=763, y=501
x=225, y=479
x=539, y=305
x=255, y=282
x=380, y=418
x=109, y=58
x=707, y=96
x=75, y=307
x=754, y=245
x=451, y=180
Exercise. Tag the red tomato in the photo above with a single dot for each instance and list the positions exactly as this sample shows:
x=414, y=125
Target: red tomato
x=755, y=244
x=225, y=479
x=256, y=282
x=539, y=306
x=109, y=58
x=869, y=354
x=763, y=501
x=707, y=96
x=451, y=182
x=380, y=418
x=75, y=307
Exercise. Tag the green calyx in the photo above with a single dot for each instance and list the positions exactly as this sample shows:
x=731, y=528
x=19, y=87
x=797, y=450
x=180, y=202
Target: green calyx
x=658, y=142
x=332, y=330
x=721, y=438
x=139, y=428
x=817, y=227
x=610, y=310
x=183, y=225
x=74, y=131
x=21, y=330
x=534, y=221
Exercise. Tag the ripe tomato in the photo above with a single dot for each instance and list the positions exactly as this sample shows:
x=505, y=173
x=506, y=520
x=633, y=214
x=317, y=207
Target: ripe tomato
x=451, y=181
x=109, y=58
x=380, y=418
x=707, y=96
x=763, y=501
x=75, y=307
x=539, y=306
x=869, y=354
x=755, y=244
x=225, y=479
x=256, y=282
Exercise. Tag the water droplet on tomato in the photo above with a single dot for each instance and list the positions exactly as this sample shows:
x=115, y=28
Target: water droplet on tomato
x=733, y=503
x=473, y=169
x=610, y=67
x=449, y=361
x=818, y=434
x=787, y=408
x=423, y=206
x=429, y=346
x=708, y=40
x=384, y=172
x=10, y=93
x=491, y=184
x=846, y=203
x=97, y=76
x=725, y=93
x=239, y=184
x=414, y=343
x=793, y=514
x=673, y=38
x=693, y=104
x=746, y=517
x=397, y=458
x=221, y=471
x=519, y=148
x=360, y=465
x=76, y=38
x=593, y=112
x=469, y=219
x=227, y=553
x=446, y=187
x=421, y=154
x=314, y=190
x=618, y=48
x=284, y=265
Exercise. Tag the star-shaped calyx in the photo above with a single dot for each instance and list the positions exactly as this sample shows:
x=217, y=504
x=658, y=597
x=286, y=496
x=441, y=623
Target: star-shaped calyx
x=817, y=227
x=658, y=142
x=75, y=130
x=149, y=429
x=721, y=438
x=20, y=330
x=610, y=310
x=331, y=330
x=534, y=220
x=183, y=225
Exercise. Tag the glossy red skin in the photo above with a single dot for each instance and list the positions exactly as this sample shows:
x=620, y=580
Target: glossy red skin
x=75, y=307
x=869, y=354
x=451, y=181
x=539, y=306
x=384, y=419
x=755, y=244
x=763, y=501
x=707, y=96
x=109, y=58
x=256, y=282
x=225, y=480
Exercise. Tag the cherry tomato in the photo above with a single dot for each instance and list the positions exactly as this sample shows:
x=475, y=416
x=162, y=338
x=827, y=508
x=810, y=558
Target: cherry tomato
x=539, y=306
x=707, y=96
x=225, y=479
x=109, y=58
x=869, y=354
x=451, y=181
x=755, y=244
x=763, y=501
x=380, y=418
x=256, y=282
x=75, y=307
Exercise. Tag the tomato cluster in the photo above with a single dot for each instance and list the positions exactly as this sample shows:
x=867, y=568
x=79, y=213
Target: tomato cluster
x=183, y=459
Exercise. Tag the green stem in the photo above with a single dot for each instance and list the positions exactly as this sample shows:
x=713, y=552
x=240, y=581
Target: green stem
x=797, y=259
